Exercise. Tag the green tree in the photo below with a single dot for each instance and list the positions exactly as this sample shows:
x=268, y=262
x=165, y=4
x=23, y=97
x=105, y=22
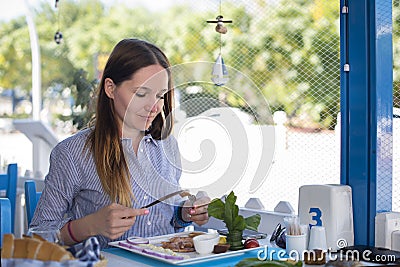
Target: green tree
x=301, y=66
x=15, y=55
x=290, y=52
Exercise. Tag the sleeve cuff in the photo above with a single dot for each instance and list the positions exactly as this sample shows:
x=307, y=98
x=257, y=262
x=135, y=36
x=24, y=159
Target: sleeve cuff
x=179, y=222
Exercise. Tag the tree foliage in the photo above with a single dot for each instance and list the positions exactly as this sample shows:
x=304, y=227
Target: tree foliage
x=289, y=49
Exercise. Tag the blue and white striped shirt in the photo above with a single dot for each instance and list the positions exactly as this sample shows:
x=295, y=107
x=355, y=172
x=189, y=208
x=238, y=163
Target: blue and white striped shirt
x=73, y=188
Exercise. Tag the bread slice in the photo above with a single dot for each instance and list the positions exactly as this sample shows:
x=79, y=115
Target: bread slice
x=20, y=248
x=33, y=248
x=7, y=250
x=45, y=251
x=36, y=236
x=60, y=254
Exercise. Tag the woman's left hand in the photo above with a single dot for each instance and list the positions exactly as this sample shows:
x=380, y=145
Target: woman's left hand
x=197, y=211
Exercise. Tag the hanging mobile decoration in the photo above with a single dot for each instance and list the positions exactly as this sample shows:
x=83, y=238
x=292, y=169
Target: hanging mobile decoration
x=58, y=35
x=220, y=72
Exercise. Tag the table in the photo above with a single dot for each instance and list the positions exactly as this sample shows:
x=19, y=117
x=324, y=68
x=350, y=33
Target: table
x=119, y=257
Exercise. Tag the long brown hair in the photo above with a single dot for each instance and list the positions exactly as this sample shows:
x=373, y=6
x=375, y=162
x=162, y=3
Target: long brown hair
x=127, y=57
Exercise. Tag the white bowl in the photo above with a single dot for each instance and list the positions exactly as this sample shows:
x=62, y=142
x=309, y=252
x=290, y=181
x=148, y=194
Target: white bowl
x=204, y=244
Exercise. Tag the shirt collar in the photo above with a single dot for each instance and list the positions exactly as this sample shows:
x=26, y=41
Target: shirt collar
x=149, y=139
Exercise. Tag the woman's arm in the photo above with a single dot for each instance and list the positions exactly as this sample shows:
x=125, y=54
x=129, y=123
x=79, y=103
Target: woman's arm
x=62, y=185
x=196, y=211
x=190, y=211
x=111, y=221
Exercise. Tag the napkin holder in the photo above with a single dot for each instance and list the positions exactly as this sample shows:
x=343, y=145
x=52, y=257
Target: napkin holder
x=328, y=205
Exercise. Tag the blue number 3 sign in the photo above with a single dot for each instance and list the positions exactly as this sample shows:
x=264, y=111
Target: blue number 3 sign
x=316, y=215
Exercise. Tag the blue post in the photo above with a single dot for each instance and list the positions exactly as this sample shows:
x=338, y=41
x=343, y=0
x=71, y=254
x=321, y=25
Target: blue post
x=366, y=108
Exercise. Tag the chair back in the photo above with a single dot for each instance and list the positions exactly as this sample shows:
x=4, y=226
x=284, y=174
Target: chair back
x=8, y=183
x=31, y=199
x=5, y=218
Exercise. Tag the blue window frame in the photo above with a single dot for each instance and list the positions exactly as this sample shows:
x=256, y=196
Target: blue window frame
x=367, y=110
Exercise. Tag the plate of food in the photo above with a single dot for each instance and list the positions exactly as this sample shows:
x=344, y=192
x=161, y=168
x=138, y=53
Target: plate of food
x=178, y=248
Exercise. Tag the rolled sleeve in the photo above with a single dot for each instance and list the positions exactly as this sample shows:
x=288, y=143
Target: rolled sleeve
x=61, y=185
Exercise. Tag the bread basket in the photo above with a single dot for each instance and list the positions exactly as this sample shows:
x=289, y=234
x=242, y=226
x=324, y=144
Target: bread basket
x=37, y=252
x=102, y=263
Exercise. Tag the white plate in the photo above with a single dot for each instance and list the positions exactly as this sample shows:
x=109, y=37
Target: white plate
x=190, y=257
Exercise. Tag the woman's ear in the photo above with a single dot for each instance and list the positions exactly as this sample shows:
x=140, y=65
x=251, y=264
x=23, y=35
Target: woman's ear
x=109, y=87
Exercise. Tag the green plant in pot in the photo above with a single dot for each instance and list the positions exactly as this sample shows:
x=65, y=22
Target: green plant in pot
x=235, y=223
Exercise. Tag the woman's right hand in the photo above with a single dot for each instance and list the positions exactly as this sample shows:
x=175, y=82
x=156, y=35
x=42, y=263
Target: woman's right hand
x=113, y=221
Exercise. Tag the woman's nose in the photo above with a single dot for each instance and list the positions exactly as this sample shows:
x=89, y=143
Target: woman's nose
x=151, y=107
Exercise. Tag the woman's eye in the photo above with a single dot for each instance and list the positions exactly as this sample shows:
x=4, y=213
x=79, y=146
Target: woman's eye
x=140, y=94
x=146, y=93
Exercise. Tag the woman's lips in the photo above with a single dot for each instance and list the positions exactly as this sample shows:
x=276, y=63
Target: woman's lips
x=147, y=118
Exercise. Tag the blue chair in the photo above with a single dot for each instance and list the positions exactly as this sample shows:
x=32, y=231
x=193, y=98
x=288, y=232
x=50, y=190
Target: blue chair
x=8, y=183
x=5, y=218
x=31, y=199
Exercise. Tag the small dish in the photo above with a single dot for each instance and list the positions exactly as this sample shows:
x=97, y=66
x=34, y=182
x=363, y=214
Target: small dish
x=204, y=244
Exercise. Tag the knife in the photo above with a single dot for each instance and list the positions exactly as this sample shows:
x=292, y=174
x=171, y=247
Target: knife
x=182, y=193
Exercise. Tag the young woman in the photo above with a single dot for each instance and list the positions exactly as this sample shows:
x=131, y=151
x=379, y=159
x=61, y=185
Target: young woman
x=100, y=178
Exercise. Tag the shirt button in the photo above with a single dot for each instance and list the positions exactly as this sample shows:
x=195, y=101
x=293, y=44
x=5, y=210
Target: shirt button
x=141, y=150
x=148, y=140
x=145, y=197
x=148, y=222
